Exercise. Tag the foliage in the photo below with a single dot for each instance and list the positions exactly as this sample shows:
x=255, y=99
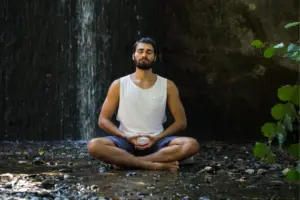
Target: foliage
x=286, y=113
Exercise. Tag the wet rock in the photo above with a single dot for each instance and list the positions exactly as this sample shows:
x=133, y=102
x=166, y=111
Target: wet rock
x=48, y=183
x=276, y=183
x=275, y=166
x=204, y=198
x=285, y=171
x=6, y=177
x=250, y=171
x=45, y=194
x=94, y=187
x=67, y=177
x=131, y=174
x=65, y=170
x=230, y=165
x=207, y=169
x=261, y=171
x=256, y=165
x=23, y=161
x=256, y=177
x=7, y=185
x=102, y=169
x=38, y=161
x=35, y=198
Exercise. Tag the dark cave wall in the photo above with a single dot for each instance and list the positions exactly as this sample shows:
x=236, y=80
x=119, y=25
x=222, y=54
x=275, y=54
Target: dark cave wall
x=226, y=85
x=39, y=53
x=37, y=71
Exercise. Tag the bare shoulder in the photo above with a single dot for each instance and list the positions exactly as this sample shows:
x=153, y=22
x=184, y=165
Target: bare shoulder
x=114, y=87
x=171, y=87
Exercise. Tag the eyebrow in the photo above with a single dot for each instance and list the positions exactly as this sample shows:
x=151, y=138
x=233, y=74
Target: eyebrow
x=143, y=49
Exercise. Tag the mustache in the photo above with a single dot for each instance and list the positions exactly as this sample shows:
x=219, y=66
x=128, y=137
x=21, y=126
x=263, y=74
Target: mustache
x=142, y=59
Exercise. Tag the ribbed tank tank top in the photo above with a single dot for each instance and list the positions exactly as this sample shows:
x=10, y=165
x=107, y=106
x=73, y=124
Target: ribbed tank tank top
x=142, y=111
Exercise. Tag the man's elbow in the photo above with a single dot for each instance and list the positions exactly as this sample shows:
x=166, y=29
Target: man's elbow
x=183, y=125
x=101, y=123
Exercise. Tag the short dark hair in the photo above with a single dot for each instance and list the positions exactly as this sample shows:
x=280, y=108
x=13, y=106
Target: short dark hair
x=145, y=40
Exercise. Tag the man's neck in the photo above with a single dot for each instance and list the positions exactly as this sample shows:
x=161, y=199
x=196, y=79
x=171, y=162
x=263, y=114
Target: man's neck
x=143, y=74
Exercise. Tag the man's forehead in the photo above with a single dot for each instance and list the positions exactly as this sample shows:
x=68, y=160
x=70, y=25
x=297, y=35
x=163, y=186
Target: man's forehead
x=144, y=46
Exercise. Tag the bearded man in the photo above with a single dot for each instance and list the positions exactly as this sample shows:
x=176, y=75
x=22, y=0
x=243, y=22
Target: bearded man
x=140, y=100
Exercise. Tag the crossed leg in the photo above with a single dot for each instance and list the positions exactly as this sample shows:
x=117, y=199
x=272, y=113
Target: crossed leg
x=164, y=159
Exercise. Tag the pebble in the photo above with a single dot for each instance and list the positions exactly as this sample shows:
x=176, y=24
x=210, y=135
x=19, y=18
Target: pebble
x=276, y=183
x=48, y=183
x=38, y=161
x=261, y=171
x=207, y=169
x=250, y=171
x=285, y=171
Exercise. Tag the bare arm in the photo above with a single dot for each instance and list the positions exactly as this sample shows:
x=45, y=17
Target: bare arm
x=108, y=109
x=177, y=111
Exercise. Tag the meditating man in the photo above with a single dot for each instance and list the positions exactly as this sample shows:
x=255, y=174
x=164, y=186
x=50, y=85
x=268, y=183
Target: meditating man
x=141, y=98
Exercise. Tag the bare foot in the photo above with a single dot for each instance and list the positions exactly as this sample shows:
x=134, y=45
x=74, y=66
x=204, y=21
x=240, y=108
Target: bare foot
x=172, y=166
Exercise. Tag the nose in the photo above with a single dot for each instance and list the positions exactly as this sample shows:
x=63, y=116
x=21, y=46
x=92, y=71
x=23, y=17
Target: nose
x=144, y=54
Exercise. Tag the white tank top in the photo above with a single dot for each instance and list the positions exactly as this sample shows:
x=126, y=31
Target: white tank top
x=142, y=111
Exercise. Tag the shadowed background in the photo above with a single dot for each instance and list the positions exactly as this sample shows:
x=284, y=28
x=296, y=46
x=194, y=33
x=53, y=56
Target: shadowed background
x=58, y=59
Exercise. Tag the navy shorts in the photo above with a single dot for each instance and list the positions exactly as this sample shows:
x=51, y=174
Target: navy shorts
x=124, y=144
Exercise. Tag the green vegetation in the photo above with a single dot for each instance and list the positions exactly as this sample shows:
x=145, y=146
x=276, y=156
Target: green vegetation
x=285, y=113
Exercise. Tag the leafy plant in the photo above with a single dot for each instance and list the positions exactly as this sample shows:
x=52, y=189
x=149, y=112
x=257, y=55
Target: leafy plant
x=285, y=113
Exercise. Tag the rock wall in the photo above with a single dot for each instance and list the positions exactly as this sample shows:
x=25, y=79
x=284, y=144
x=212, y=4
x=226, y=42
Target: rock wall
x=227, y=87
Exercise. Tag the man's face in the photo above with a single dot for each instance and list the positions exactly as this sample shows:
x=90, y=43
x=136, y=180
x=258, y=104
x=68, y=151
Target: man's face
x=144, y=56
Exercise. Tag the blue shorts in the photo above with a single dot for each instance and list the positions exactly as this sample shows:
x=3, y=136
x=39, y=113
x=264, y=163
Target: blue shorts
x=124, y=144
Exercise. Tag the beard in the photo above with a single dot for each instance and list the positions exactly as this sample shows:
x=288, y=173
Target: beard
x=142, y=65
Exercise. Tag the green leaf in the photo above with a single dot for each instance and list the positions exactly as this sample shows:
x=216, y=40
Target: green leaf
x=269, y=130
x=268, y=52
x=291, y=24
x=296, y=95
x=278, y=111
x=290, y=110
x=270, y=157
x=257, y=44
x=294, y=149
x=293, y=175
x=285, y=93
x=260, y=150
x=278, y=46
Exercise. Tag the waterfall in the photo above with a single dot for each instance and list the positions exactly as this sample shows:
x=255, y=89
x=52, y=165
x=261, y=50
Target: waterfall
x=86, y=66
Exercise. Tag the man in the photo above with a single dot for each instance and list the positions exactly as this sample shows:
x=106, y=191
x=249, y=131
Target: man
x=141, y=99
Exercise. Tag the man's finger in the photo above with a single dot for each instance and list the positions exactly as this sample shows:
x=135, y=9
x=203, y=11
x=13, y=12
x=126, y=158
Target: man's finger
x=143, y=147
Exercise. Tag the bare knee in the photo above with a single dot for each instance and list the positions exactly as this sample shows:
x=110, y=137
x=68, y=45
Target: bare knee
x=190, y=146
x=97, y=145
x=193, y=145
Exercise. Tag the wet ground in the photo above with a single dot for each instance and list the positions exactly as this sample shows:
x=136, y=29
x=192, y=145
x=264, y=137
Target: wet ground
x=64, y=170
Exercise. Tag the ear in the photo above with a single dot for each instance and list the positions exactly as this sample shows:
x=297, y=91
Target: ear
x=132, y=56
x=154, y=58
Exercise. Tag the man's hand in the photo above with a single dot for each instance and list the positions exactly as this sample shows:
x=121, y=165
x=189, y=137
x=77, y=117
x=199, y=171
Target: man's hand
x=152, y=141
x=133, y=140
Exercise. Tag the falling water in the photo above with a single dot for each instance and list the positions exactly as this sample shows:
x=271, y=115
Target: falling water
x=86, y=66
